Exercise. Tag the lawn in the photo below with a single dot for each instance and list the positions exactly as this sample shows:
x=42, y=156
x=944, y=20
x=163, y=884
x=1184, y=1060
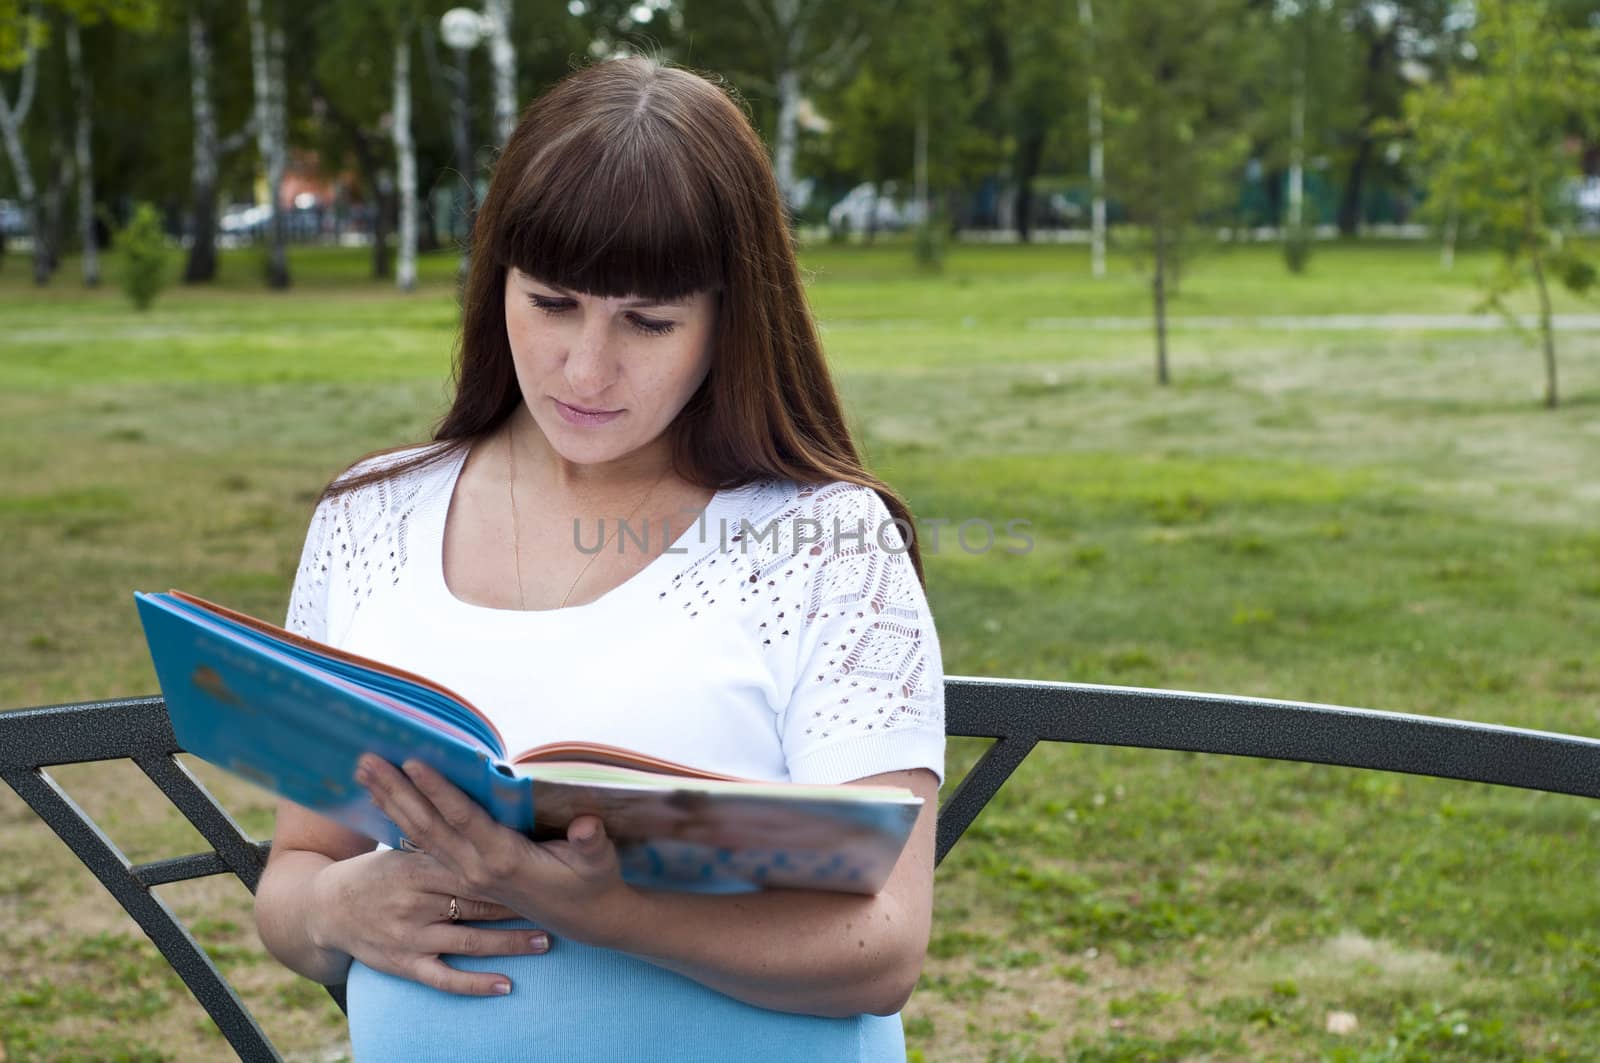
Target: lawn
x=1371, y=516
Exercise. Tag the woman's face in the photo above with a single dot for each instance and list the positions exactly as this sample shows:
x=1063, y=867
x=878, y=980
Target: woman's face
x=605, y=377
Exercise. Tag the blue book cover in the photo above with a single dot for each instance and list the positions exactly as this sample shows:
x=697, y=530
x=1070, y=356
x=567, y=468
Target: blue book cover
x=293, y=716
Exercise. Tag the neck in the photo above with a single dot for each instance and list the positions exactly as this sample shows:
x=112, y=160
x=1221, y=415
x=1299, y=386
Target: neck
x=539, y=466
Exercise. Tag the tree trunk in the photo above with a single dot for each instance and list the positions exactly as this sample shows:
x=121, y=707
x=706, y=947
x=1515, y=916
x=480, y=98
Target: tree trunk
x=504, y=61
x=1158, y=289
x=919, y=163
x=11, y=122
x=1547, y=332
x=382, y=219
x=1097, y=153
x=1297, y=154
x=55, y=199
x=1350, y=199
x=405, y=151
x=1447, y=249
x=1029, y=152
x=84, y=154
x=202, y=264
x=788, y=133
x=266, y=51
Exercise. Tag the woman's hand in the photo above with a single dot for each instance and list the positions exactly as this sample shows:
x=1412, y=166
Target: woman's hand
x=572, y=886
x=391, y=911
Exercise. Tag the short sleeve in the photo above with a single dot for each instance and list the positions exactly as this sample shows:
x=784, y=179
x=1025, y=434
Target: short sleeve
x=868, y=695
x=308, y=600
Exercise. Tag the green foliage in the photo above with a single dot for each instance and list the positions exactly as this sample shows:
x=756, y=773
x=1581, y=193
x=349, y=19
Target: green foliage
x=1495, y=146
x=144, y=256
x=1426, y=1035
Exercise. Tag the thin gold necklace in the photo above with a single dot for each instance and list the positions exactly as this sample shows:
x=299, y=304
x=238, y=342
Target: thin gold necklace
x=516, y=522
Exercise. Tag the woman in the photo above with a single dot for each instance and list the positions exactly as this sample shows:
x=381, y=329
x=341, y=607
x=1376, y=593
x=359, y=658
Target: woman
x=636, y=353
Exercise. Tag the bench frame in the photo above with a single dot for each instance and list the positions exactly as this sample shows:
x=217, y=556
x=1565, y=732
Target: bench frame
x=1018, y=714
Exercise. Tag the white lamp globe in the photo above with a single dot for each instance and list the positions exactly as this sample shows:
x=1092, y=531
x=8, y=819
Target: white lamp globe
x=461, y=27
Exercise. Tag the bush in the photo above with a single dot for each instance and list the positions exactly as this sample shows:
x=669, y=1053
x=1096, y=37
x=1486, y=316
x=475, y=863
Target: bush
x=144, y=256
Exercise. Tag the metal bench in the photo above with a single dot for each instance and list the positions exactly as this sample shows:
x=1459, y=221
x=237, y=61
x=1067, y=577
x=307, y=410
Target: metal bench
x=1018, y=714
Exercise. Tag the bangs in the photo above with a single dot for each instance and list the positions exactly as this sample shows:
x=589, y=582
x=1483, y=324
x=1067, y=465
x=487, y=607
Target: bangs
x=615, y=212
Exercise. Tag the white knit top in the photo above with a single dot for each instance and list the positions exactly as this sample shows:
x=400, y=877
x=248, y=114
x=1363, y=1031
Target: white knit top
x=783, y=636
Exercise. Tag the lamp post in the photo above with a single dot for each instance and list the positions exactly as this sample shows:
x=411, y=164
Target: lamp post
x=462, y=28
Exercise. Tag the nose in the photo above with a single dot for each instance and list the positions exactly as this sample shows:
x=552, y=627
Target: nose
x=590, y=367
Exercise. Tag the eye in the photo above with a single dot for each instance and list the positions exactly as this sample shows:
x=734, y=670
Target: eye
x=549, y=305
x=651, y=326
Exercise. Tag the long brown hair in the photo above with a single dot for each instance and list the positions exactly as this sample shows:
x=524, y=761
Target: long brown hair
x=631, y=177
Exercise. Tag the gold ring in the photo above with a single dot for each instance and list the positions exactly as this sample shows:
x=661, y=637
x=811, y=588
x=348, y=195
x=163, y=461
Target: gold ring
x=455, y=911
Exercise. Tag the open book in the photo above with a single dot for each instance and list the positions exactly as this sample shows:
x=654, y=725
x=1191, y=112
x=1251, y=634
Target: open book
x=293, y=715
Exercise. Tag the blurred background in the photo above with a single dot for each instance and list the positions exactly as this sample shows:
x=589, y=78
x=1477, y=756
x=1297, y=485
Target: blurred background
x=1275, y=319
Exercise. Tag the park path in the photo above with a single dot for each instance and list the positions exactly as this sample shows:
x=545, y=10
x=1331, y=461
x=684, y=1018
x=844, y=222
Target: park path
x=1324, y=322
x=1264, y=323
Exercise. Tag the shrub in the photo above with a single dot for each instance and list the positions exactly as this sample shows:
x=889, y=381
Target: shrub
x=144, y=256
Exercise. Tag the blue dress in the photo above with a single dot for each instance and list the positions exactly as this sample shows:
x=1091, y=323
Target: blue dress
x=578, y=1003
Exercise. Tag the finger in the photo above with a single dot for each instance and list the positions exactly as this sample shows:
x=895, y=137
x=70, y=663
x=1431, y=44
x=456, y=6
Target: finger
x=587, y=832
x=460, y=813
x=402, y=802
x=432, y=971
x=459, y=940
x=476, y=911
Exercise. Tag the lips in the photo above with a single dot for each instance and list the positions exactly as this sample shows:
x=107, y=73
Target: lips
x=577, y=415
x=583, y=409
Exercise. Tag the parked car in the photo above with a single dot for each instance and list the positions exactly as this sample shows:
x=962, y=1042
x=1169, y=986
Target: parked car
x=13, y=221
x=243, y=219
x=867, y=201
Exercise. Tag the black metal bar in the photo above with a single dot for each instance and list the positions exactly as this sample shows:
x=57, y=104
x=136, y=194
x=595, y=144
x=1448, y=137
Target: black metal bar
x=93, y=730
x=1017, y=713
x=101, y=856
x=978, y=786
x=242, y=855
x=184, y=868
x=1275, y=730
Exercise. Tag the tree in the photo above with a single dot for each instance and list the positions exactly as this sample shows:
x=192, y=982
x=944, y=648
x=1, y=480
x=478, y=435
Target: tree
x=1392, y=36
x=207, y=150
x=1306, y=94
x=1173, y=77
x=1496, y=146
x=23, y=40
x=271, y=121
x=782, y=50
x=24, y=52
x=1097, y=144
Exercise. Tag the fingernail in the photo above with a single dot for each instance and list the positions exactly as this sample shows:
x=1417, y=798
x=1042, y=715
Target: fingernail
x=539, y=942
x=503, y=988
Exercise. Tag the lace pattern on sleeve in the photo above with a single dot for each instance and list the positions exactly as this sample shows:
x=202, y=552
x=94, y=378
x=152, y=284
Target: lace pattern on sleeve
x=844, y=609
x=356, y=543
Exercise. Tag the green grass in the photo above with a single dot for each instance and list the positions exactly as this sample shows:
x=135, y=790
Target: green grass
x=1365, y=517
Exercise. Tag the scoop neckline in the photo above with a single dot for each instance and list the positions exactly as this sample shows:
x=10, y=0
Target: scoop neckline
x=680, y=551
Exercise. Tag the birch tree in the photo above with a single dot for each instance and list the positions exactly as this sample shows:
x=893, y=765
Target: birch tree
x=13, y=116
x=405, y=151
x=83, y=153
x=266, y=64
x=803, y=44
x=503, y=61
x=207, y=150
x=1097, y=144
